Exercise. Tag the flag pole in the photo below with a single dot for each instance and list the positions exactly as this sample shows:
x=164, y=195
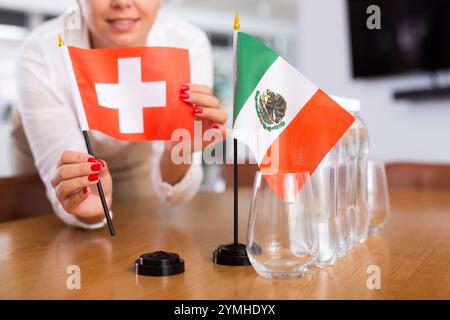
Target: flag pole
x=84, y=126
x=233, y=254
x=236, y=27
x=235, y=193
x=100, y=188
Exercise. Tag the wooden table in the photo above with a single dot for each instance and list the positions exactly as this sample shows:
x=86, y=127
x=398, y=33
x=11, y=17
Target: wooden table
x=413, y=254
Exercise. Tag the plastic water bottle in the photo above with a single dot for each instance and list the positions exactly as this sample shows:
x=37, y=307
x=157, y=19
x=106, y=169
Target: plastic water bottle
x=324, y=184
x=361, y=179
x=340, y=188
x=343, y=197
x=354, y=175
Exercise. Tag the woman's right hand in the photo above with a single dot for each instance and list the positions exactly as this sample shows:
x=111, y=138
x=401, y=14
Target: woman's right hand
x=75, y=185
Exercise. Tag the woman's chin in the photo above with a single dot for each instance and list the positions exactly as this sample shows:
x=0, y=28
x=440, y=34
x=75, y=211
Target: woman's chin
x=124, y=41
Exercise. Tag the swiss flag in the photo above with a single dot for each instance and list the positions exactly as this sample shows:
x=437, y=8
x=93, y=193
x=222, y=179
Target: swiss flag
x=132, y=94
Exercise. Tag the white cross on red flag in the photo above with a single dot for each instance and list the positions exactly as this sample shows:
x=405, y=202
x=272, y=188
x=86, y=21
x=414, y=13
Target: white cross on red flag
x=132, y=94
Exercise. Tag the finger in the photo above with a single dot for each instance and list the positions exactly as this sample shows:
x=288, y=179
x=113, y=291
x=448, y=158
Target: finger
x=104, y=168
x=197, y=88
x=217, y=134
x=68, y=187
x=74, y=200
x=74, y=157
x=201, y=99
x=214, y=115
x=221, y=129
x=73, y=170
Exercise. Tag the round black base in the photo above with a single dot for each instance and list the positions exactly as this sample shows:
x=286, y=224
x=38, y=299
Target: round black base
x=231, y=255
x=159, y=264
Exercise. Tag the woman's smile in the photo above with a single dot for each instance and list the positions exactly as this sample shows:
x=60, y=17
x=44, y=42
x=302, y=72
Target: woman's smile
x=122, y=24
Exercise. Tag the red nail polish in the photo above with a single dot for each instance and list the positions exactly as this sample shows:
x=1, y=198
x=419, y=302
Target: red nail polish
x=184, y=96
x=103, y=163
x=215, y=126
x=184, y=87
x=85, y=190
x=198, y=110
x=96, y=167
x=92, y=159
x=93, y=177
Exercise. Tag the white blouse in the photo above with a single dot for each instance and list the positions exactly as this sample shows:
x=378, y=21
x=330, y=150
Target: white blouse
x=48, y=115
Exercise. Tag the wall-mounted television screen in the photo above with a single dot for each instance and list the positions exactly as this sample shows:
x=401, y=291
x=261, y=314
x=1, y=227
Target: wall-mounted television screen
x=414, y=36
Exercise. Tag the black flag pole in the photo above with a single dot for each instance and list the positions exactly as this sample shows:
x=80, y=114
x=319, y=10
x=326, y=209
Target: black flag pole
x=100, y=188
x=235, y=193
x=233, y=254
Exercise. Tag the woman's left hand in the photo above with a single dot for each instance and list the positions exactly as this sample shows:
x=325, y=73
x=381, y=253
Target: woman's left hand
x=205, y=107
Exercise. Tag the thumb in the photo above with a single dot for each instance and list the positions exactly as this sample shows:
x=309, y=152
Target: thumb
x=76, y=199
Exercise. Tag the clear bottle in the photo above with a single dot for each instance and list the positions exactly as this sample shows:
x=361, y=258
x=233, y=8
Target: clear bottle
x=352, y=170
x=343, y=222
x=324, y=184
x=356, y=140
x=352, y=180
x=361, y=179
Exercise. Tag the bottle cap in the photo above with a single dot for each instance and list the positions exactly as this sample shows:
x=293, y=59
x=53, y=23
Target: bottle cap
x=159, y=263
x=351, y=105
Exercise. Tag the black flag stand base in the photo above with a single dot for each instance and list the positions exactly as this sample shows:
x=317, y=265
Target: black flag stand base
x=233, y=254
x=159, y=264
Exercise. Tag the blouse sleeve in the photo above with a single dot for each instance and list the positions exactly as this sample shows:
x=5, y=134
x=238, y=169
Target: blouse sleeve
x=182, y=191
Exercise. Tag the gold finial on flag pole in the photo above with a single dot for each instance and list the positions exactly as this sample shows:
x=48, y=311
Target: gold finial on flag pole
x=236, y=25
x=60, y=41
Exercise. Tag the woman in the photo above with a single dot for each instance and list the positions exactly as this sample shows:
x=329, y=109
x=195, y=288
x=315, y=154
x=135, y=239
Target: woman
x=46, y=113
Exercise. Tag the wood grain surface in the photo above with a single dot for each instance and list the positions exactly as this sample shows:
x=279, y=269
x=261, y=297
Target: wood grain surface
x=413, y=254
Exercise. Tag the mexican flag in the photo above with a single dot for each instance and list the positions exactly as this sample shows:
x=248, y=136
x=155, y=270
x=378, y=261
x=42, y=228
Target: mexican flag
x=287, y=122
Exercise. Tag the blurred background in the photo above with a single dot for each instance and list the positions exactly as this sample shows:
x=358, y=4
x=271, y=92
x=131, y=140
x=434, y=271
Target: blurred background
x=273, y=22
x=399, y=72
